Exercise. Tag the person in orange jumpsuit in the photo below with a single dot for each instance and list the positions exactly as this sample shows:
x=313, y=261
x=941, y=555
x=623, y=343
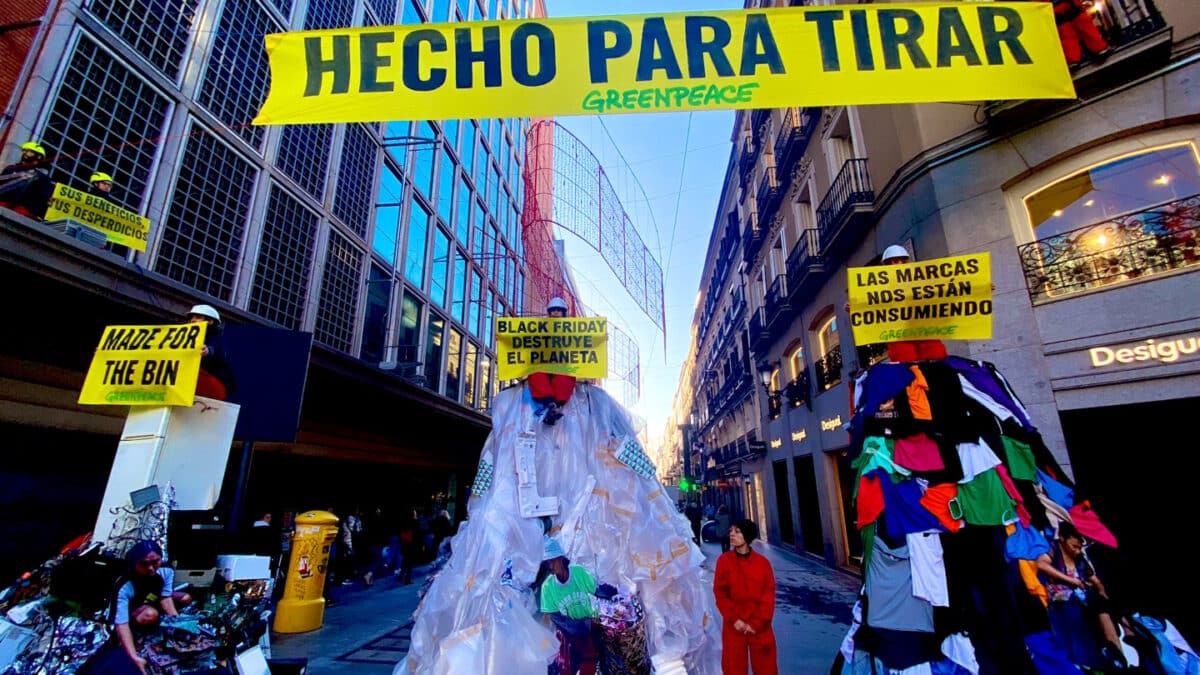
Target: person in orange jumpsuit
x=910, y=350
x=1075, y=26
x=744, y=585
x=552, y=391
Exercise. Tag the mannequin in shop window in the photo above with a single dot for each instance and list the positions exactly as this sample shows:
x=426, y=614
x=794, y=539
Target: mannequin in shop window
x=551, y=391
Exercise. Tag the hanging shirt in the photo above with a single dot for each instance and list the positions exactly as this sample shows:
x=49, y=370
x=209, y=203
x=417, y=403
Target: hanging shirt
x=928, y=568
x=976, y=458
x=985, y=400
x=869, y=499
x=885, y=381
x=984, y=500
x=903, y=513
x=918, y=453
x=1021, y=464
x=574, y=599
x=889, y=588
x=1056, y=491
x=958, y=648
x=1025, y=543
x=1089, y=525
x=918, y=395
x=986, y=381
x=877, y=454
x=942, y=501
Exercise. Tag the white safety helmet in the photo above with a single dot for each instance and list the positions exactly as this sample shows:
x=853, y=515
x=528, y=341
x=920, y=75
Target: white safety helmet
x=206, y=311
x=556, y=303
x=895, y=251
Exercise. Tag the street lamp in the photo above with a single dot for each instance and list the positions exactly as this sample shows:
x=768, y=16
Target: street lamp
x=765, y=370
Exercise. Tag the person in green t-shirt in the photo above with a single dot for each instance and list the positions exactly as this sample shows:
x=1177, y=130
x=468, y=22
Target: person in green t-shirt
x=568, y=594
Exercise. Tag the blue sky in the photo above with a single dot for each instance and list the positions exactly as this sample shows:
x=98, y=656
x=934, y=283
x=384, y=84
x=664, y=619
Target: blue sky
x=653, y=145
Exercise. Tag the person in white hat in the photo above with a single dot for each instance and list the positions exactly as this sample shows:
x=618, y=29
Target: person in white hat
x=216, y=377
x=551, y=391
x=910, y=350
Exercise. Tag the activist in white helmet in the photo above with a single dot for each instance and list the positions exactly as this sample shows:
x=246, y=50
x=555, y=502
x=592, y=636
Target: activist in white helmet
x=895, y=255
x=556, y=305
x=204, y=313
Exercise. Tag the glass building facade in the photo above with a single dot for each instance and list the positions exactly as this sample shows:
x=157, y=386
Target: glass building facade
x=395, y=243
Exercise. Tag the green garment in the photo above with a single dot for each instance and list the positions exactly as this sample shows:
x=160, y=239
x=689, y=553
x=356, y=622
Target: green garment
x=984, y=500
x=877, y=454
x=1021, y=464
x=574, y=599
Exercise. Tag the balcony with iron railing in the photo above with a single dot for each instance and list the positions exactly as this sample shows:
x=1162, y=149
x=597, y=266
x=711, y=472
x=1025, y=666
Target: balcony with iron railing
x=747, y=159
x=778, y=308
x=1139, y=41
x=766, y=200
x=846, y=207
x=760, y=337
x=798, y=391
x=805, y=266
x=795, y=131
x=752, y=239
x=869, y=355
x=1127, y=248
x=828, y=369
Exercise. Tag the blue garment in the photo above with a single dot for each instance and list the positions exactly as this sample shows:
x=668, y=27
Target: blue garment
x=885, y=381
x=1048, y=655
x=1057, y=492
x=1025, y=543
x=947, y=667
x=1172, y=662
x=902, y=510
x=988, y=381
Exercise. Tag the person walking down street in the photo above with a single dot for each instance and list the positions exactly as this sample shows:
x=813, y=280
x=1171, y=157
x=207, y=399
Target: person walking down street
x=216, y=377
x=552, y=391
x=744, y=585
x=441, y=528
x=693, y=515
x=263, y=539
x=723, y=524
x=410, y=544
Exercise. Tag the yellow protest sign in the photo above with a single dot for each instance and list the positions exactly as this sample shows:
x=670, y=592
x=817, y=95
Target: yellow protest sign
x=145, y=365
x=121, y=225
x=942, y=299
x=569, y=346
x=754, y=58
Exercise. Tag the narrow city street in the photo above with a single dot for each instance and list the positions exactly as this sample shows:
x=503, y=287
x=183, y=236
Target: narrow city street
x=367, y=630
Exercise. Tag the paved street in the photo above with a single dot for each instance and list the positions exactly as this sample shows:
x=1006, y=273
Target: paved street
x=367, y=631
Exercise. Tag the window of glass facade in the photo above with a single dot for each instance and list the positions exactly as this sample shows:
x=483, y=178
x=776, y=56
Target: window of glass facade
x=476, y=304
x=468, y=374
x=414, y=249
x=450, y=134
x=479, y=240
x=453, y=364
x=462, y=222
x=387, y=214
x=464, y=7
x=412, y=13
x=337, y=307
x=433, y=351
x=304, y=156
x=423, y=156
x=410, y=327
x=385, y=11
x=163, y=41
x=237, y=78
x=359, y=157
x=379, y=288
x=445, y=201
x=439, y=283
x=485, y=327
x=280, y=289
x=459, y=305
x=397, y=132
x=467, y=152
x=485, y=382
x=440, y=12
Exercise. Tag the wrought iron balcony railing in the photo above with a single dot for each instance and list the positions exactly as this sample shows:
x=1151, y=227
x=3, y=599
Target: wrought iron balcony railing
x=851, y=189
x=797, y=390
x=747, y=159
x=804, y=263
x=829, y=369
x=777, y=300
x=766, y=200
x=1129, y=247
x=758, y=330
x=794, y=133
x=751, y=239
x=774, y=405
x=869, y=355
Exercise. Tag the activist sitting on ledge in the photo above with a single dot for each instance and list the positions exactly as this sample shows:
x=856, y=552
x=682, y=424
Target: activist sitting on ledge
x=25, y=187
x=216, y=378
x=552, y=391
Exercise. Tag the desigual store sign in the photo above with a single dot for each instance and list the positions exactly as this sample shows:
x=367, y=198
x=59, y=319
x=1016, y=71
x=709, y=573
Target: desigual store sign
x=1171, y=349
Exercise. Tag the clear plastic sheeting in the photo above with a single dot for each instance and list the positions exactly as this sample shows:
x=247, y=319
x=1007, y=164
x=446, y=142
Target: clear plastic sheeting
x=480, y=613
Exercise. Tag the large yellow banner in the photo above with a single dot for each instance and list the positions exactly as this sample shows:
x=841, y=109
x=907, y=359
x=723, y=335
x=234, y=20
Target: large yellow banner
x=757, y=58
x=942, y=299
x=145, y=365
x=121, y=225
x=569, y=346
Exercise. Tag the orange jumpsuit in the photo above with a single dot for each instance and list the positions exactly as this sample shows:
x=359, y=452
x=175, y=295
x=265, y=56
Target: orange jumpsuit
x=545, y=386
x=745, y=590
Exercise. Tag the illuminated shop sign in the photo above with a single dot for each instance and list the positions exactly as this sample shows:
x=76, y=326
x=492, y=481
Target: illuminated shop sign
x=799, y=436
x=832, y=424
x=776, y=443
x=1169, y=350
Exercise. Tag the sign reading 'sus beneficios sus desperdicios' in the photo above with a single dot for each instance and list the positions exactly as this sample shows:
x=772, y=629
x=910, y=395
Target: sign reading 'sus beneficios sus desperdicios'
x=570, y=346
x=756, y=58
x=942, y=299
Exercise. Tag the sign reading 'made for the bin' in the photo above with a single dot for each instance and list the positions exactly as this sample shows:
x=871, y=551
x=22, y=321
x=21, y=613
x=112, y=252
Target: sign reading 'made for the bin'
x=145, y=365
x=942, y=299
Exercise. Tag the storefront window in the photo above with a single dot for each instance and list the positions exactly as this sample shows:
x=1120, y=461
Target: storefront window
x=453, y=359
x=1125, y=219
x=829, y=367
x=795, y=360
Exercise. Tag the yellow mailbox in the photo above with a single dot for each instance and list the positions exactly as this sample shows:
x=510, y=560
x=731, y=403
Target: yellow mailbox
x=303, y=605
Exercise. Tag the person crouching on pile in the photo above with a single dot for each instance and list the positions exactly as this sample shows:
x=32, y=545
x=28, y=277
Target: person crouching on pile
x=146, y=594
x=568, y=594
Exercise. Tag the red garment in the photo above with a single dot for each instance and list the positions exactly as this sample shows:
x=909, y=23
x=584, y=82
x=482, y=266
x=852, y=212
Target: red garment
x=1089, y=525
x=745, y=590
x=546, y=386
x=918, y=453
x=210, y=387
x=1075, y=25
x=916, y=350
x=870, y=501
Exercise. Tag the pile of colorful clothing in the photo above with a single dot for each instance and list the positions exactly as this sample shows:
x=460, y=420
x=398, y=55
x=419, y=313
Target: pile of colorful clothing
x=621, y=620
x=956, y=498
